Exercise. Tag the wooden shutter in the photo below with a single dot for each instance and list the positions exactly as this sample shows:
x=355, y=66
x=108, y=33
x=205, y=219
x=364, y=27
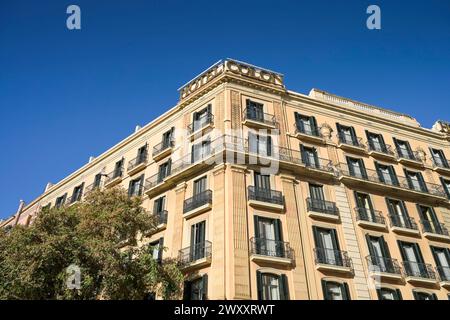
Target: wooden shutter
x=256, y=222
x=284, y=288
x=399, y=294
x=278, y=230
x=259, y=285
x=298, y=122
x=269, y=146
x=369, y=245
x=205, y=287
x=326, y=294
x=313, y=122
x=422, y=183
x=345, y=291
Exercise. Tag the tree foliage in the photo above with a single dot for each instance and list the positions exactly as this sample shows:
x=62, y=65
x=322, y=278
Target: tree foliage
x=101, y=236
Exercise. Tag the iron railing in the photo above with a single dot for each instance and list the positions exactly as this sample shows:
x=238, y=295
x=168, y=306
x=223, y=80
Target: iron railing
x=160, y=217
x=271, y=248
x=195, y=252
x=74, y=198
x=314, y=132
x=116, y=173
x=332, y=257
x=419, y=270
x=370, y=215
x=318, y=163
x=197, y=200
x=201, y=123
x=444, y=273
x=92, y=187
x=403, y=222
x=413, y=155
x=323, y=206
x=380, y=147
x=255, y=115
x=383, y=264
x=142, y=158
x=162, y=146
x=265, y=195
x=434, y=227
x=352, y=141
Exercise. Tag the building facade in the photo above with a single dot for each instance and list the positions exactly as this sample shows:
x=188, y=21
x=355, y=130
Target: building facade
x=265, y=193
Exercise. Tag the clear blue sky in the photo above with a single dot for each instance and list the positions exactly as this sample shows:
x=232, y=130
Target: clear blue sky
x=66, y=95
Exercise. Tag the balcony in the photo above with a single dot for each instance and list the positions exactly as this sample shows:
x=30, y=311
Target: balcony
x=137, y=164
x=310, y=134
x=73, y=199
x=391, y=184
x=320, y=167
x=196, y=256
x=256, y=119
x=271, y=251
x=162, y=150
x=434, y=230
x=419, y=273
x=380, y=150
x=154, y=185
x=444, y=276
x=332, y=260
x=197, y=204
x=114, y=177
x=370, y=218
x=351, y=144
x=91, y=187
x=404, y=225
x=265, y=198
x=384, y=268
x=409, y=158
x=441, y=166
x=199, y=127
x=160, y=219
x=322, y=210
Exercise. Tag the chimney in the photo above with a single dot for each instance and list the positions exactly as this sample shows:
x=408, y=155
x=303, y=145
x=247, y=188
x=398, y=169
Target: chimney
x=91, y=158
x=48, y=186
x=138, y=127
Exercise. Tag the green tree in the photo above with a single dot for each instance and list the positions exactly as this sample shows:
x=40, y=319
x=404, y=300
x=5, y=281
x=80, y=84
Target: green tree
x=101, y=236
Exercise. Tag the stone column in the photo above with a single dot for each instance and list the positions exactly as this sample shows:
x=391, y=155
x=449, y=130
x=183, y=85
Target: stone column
x=180, y=193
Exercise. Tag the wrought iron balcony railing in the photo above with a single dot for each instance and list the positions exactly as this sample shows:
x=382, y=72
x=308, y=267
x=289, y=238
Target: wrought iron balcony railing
x=255, y=115
x=434, y=227
x=162, y=146
x=74, y=198
x=311, y=131
x=444, y=273
x=271, y=248
x=198, y=200
x=265, y=195
x=403, y=222
x=369, y=215
x=352, y=141
x=318, y=163
x=142, y=158
x=419, y=270
x=413, y=155
x=194, y=253
x=92, y=187
x=323, y=206
x=383, y=264
x=201, y=123
x=380, y=147
x=332, y=257
x=160, y=217
x=116, y=173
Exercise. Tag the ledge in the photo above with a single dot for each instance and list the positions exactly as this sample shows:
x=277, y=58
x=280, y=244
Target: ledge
x=323, y=216
x=445, y=284
x=307, y=137
x=113, y=182
x=371, y=225
x=382, y=155
x=138, y=168
x=196, y=264
x=401, y=230
x=333, y=268
x=351, y=147
x=266, y=205
x=197, y=211
x=270, y=259
x=436, y=236
x=419, y=280
x=257, y=124
x=415, y=163
x=200, y=132
x=386, y=276
x=162, y=154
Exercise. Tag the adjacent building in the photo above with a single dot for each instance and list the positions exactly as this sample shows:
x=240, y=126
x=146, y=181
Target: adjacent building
x=266, y=193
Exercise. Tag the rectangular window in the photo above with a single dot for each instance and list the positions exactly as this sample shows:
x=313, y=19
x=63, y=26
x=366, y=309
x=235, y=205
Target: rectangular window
x=97, y=180
x=446, y=186
x=418, y=295
x=306, y=124
x=164, y=170
x=255, y=111
x=403, y=149
x=335, y=290
x=199, y=186
x=412, y=259
x=415, y=181
x=327, y=246
x=198, y=234
x=429, y=220
x=364, y=207
x=272, y=286
x=200, y=151
x=398, y=214
x=260, y=144
x=439, y=158
x=379, y=254
x=167, y=138
x=309, y=157
x=389, y=294
x=262, y=181
x=347, y=135
x=118, y=168
x=196, y=289
x=60, y=200
x=77, y=193
x=202, y=118
x=268, y=237
x=141, y=154
x=356, y=168
x=386, y=174
x=136, y=186
x=159, y=205
x=376, y=142
x=156, y=248
x=442, y=259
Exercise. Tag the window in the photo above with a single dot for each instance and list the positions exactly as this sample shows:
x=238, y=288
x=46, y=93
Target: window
x=415, y=181
x=199, y=186
x=272, y=286
x=97, y=181
x=262, y=181
x=327, y=246
x=118, y=168
x=136, y=186
x=306, y=124
x=316, y=192
x=164, y=170
x=309, y=157
x=142, y=154
x=364, y=207
x=389, y=294
x=259, y=144
x=386, y=174
x=379, y=254
x=202, y=118
x=403, y=149
x=255, y=110
x=47, y=206
x=419, y=295
x=446, y=186
x=156, y=249
x=200, y=150
x=356, y=168
x=335, y=290
x=376, y=142
x=268, y=237
x=347, y=135
x=198, y=247
x=399, y=214
x=60, y=200
x=442, y=259
x=412, y=259
x=77, y=193
x=159, y=205
x=167, y=138
x=439, y=158
x=429, y=219
x=196, y=289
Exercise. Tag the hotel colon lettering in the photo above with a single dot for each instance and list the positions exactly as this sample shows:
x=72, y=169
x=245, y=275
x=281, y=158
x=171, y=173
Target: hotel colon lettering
x=266, y=193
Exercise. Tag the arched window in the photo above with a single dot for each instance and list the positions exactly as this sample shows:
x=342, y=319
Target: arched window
x=272, y=286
